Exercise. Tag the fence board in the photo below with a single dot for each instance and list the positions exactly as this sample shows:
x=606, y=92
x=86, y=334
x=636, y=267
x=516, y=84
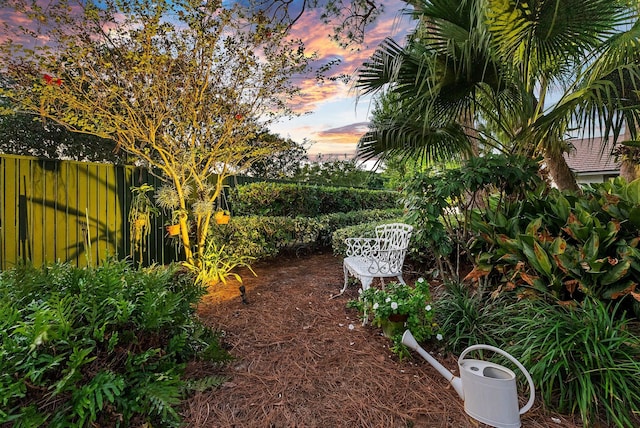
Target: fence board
x=44, y=206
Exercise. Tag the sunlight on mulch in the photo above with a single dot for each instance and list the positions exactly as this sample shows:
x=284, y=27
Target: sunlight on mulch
x=303, y=359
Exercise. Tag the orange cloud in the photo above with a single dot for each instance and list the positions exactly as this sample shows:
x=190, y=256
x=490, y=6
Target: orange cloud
x=339, y=140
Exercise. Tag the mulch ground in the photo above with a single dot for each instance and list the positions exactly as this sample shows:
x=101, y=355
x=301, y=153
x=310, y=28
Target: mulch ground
x=303, y=359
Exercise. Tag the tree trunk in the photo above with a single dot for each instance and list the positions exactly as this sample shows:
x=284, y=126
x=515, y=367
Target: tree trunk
x=559, y=171
x=629, y=170
x=629, y=167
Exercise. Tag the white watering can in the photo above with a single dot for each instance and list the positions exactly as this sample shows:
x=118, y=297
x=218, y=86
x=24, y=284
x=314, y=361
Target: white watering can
x=488, y=390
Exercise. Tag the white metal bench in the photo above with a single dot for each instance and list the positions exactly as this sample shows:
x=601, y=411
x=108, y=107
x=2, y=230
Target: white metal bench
x=379, y=257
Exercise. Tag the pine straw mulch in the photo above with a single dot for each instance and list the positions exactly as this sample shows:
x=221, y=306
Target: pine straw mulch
x=303, y=359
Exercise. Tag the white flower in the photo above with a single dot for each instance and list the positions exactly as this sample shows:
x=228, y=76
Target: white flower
x=427, y=308
x=420, y=280
x=439, y=336
x=351, y=327
x=394, y=305
x=388, y=299
x=359, y=290
x=375, y=306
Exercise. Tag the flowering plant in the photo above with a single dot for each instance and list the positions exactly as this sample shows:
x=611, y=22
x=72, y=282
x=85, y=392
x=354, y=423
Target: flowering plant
x=383, y=306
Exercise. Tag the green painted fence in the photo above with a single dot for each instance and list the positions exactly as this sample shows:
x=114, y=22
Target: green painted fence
x=70, y=211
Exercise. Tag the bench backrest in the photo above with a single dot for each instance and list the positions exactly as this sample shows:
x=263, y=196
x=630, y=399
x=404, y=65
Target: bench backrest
x=394, y=242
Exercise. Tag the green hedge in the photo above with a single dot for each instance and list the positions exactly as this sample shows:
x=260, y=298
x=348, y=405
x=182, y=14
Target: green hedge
x=264, y=237
x=295, y=200
x=104, y=346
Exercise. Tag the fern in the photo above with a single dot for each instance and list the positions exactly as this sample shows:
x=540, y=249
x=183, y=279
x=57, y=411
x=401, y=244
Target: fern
x=103, y=389
x=160, y=392
x=26, y=417
x=60, y=323
x=71, y=373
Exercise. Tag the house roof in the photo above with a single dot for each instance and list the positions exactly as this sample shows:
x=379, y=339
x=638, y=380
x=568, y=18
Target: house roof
x=588, y=156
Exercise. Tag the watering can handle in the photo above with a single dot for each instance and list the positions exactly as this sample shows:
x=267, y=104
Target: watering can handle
x=532, y=391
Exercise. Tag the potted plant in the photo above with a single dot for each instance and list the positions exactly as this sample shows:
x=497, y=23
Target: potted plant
x=140, y=213
x=222, y=216
x=168, y=199
x=397, y=307
x=173, y=229
x=173, y=226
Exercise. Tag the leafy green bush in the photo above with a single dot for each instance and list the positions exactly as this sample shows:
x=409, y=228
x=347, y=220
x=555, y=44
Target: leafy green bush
x=565, y=244
x=395, y=299
x=263, y=237
x=582, y=358
x=440, y=203
x=217, y=264
x=294, y=200
x=347, y=173
x=104, y=345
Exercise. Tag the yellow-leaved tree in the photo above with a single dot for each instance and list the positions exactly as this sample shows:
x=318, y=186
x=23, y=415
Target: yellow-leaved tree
x=184, y=86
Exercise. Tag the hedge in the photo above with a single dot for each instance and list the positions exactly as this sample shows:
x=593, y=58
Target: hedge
x=263, y=237
x=296, y=200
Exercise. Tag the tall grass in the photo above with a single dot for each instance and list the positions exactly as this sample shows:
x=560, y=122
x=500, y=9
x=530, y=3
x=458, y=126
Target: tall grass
x=583, y=359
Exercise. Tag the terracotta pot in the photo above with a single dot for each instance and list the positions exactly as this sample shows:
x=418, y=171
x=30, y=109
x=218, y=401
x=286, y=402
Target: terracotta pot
x=398, y=317
x=394, y=325
x=173, y=229
x=221, y=218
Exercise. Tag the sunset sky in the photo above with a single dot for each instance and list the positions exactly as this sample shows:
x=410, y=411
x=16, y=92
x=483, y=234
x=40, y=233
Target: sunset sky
x=335, y=121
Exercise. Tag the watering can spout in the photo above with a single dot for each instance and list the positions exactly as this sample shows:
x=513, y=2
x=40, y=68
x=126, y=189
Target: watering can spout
x=409, y=341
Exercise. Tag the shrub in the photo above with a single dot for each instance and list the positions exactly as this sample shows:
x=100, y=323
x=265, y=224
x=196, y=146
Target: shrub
x=263, y=237
x=440, y=203
x=294, y=200
x=217, y=264
x=564, y=244
x=98, y=346
x=395, y=299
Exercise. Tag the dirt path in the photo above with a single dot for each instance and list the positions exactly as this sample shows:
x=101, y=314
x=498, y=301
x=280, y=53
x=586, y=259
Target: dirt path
x=304, y=360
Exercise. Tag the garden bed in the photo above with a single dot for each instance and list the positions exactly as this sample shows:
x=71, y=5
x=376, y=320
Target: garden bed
x=304, y=359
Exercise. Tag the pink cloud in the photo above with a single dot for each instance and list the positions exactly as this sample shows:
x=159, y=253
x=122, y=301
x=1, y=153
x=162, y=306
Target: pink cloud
x=346, y=132
x=315, y=36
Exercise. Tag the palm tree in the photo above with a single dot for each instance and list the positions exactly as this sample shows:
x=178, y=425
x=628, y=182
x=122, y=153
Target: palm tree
x=476, y=65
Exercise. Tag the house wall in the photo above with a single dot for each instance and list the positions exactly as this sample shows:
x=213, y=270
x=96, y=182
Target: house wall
x=600, y=177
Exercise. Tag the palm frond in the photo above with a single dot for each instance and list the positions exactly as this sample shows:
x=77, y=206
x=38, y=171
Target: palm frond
x=381, y=68
x=414, y=140
x=543, y=37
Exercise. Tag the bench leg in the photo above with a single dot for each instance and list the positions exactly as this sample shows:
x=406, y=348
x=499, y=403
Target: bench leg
x=366, y=282
x=346, y=282
x=346, y=279
x=400, y=279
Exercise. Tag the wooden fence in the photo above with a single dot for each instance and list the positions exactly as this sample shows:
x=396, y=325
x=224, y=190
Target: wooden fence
x=70, y=211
